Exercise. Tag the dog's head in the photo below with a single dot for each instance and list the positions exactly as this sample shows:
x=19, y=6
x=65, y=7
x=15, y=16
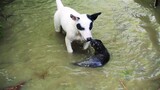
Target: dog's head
x=84, y=24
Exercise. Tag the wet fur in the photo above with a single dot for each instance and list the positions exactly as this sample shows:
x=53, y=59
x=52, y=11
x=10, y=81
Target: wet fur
x=100, y=57
x=77, y=26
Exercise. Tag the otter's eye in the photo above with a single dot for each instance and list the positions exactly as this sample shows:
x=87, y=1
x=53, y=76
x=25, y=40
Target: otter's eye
x=79, y=27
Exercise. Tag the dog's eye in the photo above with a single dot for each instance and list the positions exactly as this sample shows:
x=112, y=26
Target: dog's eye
x=79, y=27
x=91, y=25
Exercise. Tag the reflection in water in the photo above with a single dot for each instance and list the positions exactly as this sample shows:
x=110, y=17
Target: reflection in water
x=31, y=51
x=152, y=31
x=149, y=4
x=156, y=3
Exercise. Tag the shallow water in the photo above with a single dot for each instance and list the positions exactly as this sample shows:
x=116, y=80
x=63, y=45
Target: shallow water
x=32, y=51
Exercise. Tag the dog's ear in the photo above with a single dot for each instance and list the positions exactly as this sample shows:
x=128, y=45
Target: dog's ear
x=74, y=17
x=94, y=16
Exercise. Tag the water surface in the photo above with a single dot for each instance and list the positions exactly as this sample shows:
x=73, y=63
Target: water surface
x=32, y=51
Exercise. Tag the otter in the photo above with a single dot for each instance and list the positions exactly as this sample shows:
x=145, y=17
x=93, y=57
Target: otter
x=100, y=58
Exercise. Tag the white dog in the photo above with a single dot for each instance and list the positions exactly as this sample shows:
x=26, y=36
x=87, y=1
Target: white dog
x=77, y=26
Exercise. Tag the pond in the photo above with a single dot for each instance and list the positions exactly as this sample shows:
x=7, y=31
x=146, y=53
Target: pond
x=32, y=52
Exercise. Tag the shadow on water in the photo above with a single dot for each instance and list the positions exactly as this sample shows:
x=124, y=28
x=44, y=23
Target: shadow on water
x=76, y=45
x=5, y=2
x=4, y=16
x=151, y=30
x=2, y=4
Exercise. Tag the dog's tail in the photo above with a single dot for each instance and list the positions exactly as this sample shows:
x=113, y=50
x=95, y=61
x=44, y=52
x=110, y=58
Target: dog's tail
x=59, y=4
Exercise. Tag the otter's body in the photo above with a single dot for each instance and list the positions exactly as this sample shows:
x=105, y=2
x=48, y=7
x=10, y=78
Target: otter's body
x=100, y=57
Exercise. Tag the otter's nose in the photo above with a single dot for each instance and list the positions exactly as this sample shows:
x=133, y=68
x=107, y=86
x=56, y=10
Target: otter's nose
x=89, y=39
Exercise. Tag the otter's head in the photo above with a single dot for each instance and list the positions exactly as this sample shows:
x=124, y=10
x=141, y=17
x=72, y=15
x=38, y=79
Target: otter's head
x=97, y=44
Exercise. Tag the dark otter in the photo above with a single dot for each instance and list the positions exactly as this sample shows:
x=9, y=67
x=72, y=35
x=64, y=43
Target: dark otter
x=100, y=57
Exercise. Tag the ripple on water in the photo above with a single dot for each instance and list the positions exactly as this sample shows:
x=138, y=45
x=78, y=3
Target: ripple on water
x=38, y=55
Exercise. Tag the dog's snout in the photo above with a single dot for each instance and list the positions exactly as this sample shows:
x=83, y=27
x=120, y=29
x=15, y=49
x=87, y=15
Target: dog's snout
x=89, y=39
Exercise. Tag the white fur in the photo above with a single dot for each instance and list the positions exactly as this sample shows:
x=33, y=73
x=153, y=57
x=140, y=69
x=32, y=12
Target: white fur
x=63, y=18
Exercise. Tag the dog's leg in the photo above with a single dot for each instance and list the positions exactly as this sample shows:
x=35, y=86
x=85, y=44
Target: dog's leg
x=86, y=45
x=57, y=22
x=68, y=45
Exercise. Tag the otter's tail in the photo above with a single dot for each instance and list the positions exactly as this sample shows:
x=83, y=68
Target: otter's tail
x=88, y=63
x=59, y=4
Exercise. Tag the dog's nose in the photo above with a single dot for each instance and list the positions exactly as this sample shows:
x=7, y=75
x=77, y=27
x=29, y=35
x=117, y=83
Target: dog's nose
x=89, y=39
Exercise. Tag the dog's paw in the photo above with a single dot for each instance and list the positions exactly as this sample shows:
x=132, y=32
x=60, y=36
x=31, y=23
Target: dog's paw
x=70, y=51
x=85, y=47
x=57, y=30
